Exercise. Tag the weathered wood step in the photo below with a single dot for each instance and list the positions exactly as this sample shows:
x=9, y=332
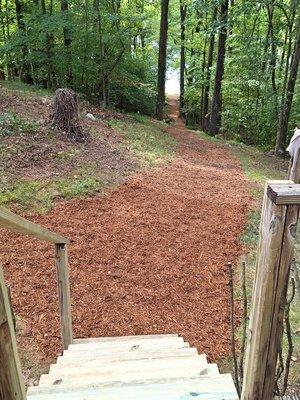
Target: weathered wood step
x=127, y=365
x=132, y=344
x=100, y=362
x=190, y=368
x=218, y=387
x=106, y=357
x=124, y=338
x=125, y=350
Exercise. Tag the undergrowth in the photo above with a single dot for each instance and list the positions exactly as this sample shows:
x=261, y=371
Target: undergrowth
x=146, y=139
x=259, y=168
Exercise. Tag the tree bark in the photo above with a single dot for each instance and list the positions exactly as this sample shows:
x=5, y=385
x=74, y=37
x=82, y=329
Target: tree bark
x=208, y=72
x=67, y=42
x=49, y=44
x=25, y=74
x=162, y=60
x=215, y=118
x=287, y=103
x=183, y=10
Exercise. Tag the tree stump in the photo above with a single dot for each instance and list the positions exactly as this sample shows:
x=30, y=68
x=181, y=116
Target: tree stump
x=65, y=115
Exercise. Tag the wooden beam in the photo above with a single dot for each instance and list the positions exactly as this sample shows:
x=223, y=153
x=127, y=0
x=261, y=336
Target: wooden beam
x=274, y=257
x=16, y=223
x=11, y=381
x=62, y=268
x=284, y=194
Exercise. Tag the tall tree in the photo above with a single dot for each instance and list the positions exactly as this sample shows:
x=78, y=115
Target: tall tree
x=183, y=11
x=162, y=60
x=67, y=42
x=288, y=99
x=215, y=117
x=25, y=71
x=208, y=70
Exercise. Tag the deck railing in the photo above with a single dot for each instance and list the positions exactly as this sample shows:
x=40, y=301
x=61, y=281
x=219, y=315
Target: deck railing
x=14, y=222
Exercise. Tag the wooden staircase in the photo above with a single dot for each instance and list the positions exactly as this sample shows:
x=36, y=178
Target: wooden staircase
x=160, y=367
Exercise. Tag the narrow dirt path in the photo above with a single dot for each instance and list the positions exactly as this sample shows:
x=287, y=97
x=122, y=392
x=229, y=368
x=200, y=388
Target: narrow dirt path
x=148, y=257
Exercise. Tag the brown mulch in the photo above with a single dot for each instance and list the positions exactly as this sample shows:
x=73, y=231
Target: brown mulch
x=148, y=257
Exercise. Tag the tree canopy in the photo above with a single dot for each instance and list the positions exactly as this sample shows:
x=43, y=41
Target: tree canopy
x=238, y=59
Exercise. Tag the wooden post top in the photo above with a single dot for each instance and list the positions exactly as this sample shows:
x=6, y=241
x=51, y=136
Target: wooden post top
x=285, y=193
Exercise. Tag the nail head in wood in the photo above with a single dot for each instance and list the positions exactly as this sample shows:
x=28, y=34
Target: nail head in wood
x=284, y=194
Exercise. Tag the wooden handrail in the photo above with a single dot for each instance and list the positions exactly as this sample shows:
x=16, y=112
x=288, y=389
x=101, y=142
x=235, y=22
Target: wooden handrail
x=16, y=223
x=11, y=380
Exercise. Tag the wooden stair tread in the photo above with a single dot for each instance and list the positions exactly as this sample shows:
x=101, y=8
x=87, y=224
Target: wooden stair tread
x=132, y=344
x=218, y=387
x=77, y=359
x=130, y=364
x=190, y=368
x=123, y=338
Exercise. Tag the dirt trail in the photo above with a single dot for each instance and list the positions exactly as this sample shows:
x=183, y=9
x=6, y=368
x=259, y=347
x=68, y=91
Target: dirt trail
x=148, y=257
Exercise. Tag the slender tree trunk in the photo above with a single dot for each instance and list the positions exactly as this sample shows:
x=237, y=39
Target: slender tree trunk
x=215, y=118
x=183, y=10
x=25, y=73
x=67, y=42
x=48, y=49
x=273, y=58
x=205, y=119
x=162, y=60
x=287, y=103
x=203, y=65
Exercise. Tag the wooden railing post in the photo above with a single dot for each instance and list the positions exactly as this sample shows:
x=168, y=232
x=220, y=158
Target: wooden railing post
x=64, y=294
x=274, y=257
x=11, y=380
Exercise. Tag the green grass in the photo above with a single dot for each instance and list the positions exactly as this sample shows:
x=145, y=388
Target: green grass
x=40, y=196
x=23, y=88
x=146, y=139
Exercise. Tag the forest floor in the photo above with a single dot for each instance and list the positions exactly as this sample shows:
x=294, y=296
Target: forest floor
x=154, y=213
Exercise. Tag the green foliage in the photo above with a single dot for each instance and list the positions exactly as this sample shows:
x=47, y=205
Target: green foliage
x=11, y=124
x=109, y=54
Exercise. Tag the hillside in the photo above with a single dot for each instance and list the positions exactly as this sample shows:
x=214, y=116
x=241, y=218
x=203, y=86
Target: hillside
x=156, y=212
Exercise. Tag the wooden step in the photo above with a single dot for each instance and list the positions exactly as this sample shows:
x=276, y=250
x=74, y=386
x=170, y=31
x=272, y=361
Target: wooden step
x=126, y=365
x=99, y=364
x=123, y=338
x=217, y=387
x=106, y=357
x=170, y=342
x=178, y=368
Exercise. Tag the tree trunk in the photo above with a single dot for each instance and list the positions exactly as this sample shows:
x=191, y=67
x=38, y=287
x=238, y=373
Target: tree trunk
x=67, y=42
x=25, y=73
x=183, y=10
x=162, y=60
x=287, y=103
x=208, y=72
x=48, y=50
x=215, y=118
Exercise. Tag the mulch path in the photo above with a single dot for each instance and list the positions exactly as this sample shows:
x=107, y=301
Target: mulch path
x=148, y=257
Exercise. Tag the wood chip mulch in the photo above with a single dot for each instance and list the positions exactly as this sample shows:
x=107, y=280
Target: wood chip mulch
x=148, y=257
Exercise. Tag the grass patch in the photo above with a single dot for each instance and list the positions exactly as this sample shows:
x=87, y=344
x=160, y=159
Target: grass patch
x=11, y=124
x=39, y=196
x=146, y=140
x=24, y=88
